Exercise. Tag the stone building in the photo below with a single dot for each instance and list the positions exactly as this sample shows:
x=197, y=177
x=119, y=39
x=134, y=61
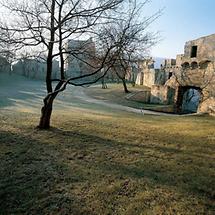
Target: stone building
x=148, y=75
x=161, y=93
x=80, y=57
x=129, y=72
x=194, y=76
x=187, y=82
x=132, y=72
x=34, y=68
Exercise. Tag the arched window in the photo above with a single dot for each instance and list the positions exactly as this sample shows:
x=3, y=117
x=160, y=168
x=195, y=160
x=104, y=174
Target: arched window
x=185, y=65
x=194, y=65
x=204, y=64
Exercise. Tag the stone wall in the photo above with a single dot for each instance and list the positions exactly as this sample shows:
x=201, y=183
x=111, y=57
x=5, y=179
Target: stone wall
x=179, y=60
x=34, y=69
x=149, y=77
x=83, y=56
x=143, y=96
x=162, y=94
x=139, y=79
x=169, y=62
x=201, y=80
x=205, y=48
x=193, y=71
x=207, y=106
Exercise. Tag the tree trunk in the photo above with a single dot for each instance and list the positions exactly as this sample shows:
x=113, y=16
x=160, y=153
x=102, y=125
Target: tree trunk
x=46, y=112
x=104, y=85
x=125, y=86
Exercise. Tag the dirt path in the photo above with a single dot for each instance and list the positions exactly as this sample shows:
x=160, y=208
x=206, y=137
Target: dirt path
x=80, y=94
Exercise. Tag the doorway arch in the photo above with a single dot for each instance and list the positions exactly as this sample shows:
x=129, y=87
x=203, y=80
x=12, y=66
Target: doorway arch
x=188, y=99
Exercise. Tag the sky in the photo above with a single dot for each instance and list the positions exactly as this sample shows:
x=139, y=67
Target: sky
x=181, y=21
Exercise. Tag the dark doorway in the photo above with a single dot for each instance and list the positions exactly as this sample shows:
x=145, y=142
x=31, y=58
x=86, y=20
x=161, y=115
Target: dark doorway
x=191, y=99
x=170, y=75
x=188, y=99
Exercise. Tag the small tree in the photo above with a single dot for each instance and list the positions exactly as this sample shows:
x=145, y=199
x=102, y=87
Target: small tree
x=131, y=28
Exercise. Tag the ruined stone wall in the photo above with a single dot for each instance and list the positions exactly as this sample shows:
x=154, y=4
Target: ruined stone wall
x=195, y=69
x=205, y=48
x=169, y=62
x=208, y=106
x=201, y=78
x=35, y=69
x=208, y=91
x=149, y=77
x=179, y=60
x=153, y=77
x=143, y=96
x=83, y=57
x=160, y=77
x=139, y=79
x=162, y=94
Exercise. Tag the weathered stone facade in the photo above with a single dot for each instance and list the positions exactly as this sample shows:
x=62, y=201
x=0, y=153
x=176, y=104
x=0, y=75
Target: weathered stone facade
x=148, y=75
x=188, y=81
x=161, y=94
x=142, y=95
x=34, y=68
x=80, y=57
x=195, y=70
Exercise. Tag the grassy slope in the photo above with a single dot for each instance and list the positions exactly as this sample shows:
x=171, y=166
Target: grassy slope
x=114, y=93
x=106, y=163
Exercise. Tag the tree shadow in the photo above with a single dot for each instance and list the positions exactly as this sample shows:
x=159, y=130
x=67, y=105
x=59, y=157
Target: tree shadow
x=188, y=171
x=33, y=179
x=52, y=172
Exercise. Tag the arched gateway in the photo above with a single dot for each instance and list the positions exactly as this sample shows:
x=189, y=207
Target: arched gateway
x=188, y=99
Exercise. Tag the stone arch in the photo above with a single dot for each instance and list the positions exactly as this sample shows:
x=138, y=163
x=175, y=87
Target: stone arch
x=204, y=64
x=185, y=65
x=194, y=65
x=180, y=106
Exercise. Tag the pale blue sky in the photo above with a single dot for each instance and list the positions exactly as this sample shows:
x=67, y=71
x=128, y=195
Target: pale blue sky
x=182, y=20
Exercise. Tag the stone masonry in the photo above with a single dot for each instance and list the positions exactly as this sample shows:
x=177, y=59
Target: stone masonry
x=191, y=74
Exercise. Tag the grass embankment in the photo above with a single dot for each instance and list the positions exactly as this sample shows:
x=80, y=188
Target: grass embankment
x=114, y=93
x=107, y=164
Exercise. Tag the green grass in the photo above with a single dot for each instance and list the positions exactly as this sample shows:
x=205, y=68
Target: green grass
x=107, y=163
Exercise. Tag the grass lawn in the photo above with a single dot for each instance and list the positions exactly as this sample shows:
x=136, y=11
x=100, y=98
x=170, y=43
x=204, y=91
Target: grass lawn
x=107, y=163
x=114, y=93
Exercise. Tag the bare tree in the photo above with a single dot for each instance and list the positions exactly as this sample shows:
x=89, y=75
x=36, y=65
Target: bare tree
x=131, y=28
x=46, y=25
x=42, y=27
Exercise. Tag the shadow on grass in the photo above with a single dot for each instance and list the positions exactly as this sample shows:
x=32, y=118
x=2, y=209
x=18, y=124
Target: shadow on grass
x=32, y=179
x=52, y=172
x=188, y=171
